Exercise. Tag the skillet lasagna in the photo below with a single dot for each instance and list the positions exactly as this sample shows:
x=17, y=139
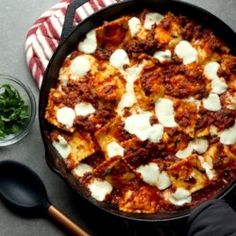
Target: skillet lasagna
x=143, y=113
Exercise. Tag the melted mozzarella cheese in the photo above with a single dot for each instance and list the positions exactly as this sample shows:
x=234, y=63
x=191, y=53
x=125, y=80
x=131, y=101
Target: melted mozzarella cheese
x=84, y=109
x=119, y=58
x=82, y=169
x=134, y=25
x=214, y=130
x=62, y=147
x=180, y=197
x=156, y=133
x=218, y=84
x=186, y=51
x=114, y=149
x=182, y=154
x=207, y=167
x=66, y=116
x=200, y=145
x=89, y=45
x=139, y=125
x=149, y=173
x=228, y=136
x=99, y=189
x=80, y=66
x=129, y=99
x=210, y=70
x=163, y=181
x=212, y=102
x=151, y=19
x=162, y=55
x=63, y=78
x=131, y=74
x=165, y=112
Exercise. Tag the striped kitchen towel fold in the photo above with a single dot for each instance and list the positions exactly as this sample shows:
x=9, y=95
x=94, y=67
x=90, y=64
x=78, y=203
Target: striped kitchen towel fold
x=44, y=35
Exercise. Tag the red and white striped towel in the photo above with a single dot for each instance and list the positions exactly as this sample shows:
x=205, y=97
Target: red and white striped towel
x=44, y=35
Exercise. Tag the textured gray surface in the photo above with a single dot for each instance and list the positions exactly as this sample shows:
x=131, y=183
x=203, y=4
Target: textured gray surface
x=15, y=18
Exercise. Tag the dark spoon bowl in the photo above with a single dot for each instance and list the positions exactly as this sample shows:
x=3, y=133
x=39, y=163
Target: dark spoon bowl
x=21, y=187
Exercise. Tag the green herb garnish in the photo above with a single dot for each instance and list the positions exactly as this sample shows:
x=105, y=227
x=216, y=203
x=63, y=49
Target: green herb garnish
x=13, y=111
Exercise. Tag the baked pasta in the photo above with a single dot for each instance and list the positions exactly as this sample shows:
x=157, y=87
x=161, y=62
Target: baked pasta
x=144, y=111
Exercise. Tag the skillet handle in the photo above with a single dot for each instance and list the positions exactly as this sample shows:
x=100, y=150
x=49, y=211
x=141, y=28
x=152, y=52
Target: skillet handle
x=69, y=17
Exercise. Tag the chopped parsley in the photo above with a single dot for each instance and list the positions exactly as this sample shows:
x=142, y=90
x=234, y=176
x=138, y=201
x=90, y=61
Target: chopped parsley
x=13, y=111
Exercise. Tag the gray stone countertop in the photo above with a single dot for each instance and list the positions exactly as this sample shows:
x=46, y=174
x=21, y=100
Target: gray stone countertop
x=16, y=16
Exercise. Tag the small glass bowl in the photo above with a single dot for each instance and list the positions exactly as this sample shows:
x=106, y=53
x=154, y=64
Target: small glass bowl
x=27, y=96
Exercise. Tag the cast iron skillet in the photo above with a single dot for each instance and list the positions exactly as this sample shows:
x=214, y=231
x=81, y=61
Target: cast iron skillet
x=69, y=41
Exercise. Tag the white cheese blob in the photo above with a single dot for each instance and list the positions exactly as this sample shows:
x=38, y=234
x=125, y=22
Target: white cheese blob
x=63, y=78
x=182, y=154
x=151, y=19
x=186, y=51
x=139, y=125
x=165, y=112
x=80, y=66
x=114, y=149
x=134, y=25
x=214, y=130
x=62, y=147
x=163, y=55
x=200, y=145
x=212, y=102
x=156, y=133
x=66, y=116
x=210, y=70
x=180, y=197
x=207, y=167
x=82, y=169
x=228, y=136
x=84, y=109
x=89, y=45
x=132, y=73
x=149, y=173
x=129, y=99
x=218, y=84
x=119, y=58
x=99, y=189
x=163, y=181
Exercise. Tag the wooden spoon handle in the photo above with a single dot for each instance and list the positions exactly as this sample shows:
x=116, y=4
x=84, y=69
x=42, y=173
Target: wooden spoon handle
x=63, y=220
